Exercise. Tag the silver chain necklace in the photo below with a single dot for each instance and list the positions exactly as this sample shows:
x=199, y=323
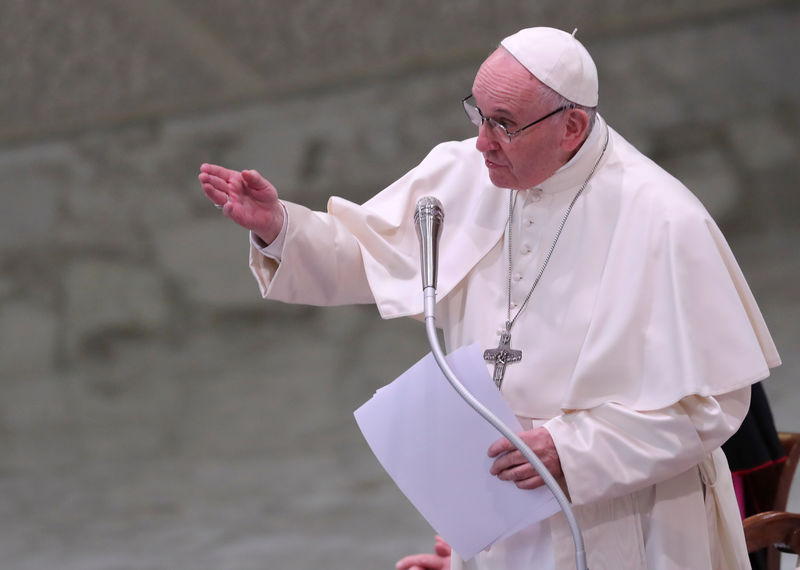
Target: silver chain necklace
x=504, y=354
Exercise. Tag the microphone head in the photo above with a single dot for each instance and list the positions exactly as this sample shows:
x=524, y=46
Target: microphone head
x=428, y=206
x=428, y=217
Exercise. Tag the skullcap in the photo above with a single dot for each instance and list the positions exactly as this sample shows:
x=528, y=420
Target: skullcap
x=558, y=60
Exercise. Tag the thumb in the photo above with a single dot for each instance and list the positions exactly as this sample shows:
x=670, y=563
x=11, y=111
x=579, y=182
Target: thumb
x=254, y=180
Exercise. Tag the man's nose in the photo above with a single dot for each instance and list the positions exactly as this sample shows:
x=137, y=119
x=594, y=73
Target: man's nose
x=487, y=138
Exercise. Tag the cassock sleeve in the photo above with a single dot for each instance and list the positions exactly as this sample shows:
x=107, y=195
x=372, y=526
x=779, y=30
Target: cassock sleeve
x=611, y=450
x=320, y=264
x=369, y=253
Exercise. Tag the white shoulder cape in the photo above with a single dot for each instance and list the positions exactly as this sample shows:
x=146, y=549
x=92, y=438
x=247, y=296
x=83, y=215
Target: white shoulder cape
x=669, y=311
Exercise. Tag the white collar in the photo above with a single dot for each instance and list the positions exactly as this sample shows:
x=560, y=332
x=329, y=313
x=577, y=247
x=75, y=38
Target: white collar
x=575, y=171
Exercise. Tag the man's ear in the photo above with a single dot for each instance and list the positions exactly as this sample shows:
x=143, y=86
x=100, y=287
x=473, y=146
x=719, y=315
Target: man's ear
x=575, y=129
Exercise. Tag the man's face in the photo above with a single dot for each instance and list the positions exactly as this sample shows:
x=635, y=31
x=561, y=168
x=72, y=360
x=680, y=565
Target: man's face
x=505, y=91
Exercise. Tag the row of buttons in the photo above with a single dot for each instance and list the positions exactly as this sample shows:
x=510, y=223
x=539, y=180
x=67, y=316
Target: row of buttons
x=533, y=195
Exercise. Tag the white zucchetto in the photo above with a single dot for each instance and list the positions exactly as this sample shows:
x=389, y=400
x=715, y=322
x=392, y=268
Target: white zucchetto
x=558, y=60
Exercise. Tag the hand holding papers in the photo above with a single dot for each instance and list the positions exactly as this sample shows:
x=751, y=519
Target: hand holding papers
x=434, y=446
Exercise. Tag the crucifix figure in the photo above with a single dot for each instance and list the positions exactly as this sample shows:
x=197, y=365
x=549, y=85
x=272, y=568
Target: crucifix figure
x=501, y=356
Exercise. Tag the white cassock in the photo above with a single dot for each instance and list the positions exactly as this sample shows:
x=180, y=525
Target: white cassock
x=639, y=343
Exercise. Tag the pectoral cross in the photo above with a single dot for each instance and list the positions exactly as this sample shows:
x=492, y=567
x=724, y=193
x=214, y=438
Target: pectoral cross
x=501, y=356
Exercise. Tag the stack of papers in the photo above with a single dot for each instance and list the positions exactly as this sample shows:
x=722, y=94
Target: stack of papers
x=434, y=446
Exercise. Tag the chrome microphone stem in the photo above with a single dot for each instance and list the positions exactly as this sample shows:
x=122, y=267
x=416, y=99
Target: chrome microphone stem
x=428, y=218
x=429, y=293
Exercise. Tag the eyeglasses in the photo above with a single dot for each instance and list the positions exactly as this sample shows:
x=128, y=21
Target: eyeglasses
x=476, y=117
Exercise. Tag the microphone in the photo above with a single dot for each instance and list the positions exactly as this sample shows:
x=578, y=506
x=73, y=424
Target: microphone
x=428, y=217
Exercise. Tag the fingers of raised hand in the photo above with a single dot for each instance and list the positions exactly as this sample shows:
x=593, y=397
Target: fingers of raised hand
x=220, y=184
x=216, y=170
x=215, y=188
x=211, y=188
x=223, y=184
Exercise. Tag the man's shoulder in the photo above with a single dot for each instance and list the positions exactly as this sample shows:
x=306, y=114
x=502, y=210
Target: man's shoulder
x=452, y=171
x=648, y=185
x=450, y=160
x=454, y=151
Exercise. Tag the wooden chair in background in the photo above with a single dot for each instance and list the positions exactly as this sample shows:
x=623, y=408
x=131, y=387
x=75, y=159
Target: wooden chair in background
x=769, y=489
x=777, y=531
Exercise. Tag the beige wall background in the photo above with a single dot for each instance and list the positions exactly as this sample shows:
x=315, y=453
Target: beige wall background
x=155, y=413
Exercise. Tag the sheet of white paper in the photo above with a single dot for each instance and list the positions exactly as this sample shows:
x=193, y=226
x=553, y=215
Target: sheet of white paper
x=434, y=446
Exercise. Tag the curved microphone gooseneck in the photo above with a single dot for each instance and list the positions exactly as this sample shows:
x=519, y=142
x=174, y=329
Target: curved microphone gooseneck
x=428, y=217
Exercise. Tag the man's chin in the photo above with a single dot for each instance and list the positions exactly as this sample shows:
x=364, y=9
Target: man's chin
x=502, y=181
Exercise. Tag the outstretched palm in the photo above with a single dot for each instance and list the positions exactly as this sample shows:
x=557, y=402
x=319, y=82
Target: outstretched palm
x=246, y=197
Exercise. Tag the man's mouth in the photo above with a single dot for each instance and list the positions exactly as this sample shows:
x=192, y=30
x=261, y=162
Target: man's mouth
x=491, y=164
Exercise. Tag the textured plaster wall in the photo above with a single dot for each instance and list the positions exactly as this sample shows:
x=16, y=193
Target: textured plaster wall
x=154, y=411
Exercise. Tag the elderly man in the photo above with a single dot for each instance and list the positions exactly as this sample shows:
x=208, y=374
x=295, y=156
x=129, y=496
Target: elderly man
x=639, y=337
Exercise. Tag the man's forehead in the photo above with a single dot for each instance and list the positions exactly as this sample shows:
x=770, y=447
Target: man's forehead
x=501, y=60
x=503, y=83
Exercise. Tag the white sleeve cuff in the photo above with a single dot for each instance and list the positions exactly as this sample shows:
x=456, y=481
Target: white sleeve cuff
x=272, y=250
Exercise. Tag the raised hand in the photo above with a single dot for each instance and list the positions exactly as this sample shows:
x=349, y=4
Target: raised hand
x=440, y=560
x=511, y=465
x=245, y=197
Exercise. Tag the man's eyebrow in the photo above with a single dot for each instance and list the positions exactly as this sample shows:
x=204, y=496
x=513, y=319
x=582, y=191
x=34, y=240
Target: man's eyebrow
x=506, y=115
x=501, y=112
